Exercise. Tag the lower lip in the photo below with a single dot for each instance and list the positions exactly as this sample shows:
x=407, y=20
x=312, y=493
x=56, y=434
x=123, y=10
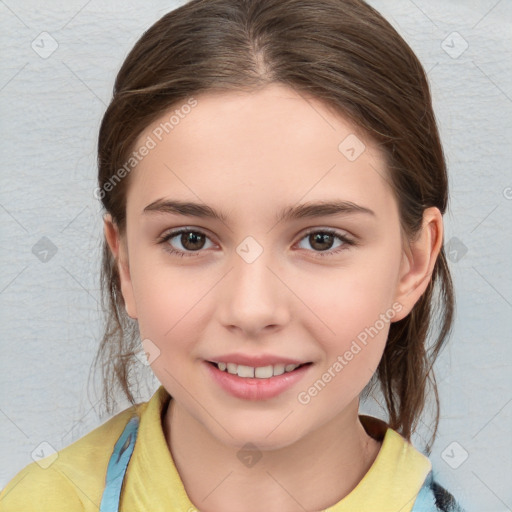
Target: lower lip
x=253, y=388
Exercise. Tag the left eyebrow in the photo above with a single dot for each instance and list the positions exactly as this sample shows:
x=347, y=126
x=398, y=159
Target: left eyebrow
x=322, y=209
x=301, y=211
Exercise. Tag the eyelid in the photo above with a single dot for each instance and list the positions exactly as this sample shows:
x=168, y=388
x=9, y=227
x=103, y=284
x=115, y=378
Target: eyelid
x=187, y=229
x=334, y=231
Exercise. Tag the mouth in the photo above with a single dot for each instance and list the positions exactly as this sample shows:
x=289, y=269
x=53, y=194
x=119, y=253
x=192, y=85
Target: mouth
x=258, y=372
x=257, y=382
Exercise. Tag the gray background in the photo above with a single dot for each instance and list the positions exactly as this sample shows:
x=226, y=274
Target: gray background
x=51, y=108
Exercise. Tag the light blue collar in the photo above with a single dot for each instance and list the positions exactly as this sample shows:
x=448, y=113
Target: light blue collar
x=117, y=466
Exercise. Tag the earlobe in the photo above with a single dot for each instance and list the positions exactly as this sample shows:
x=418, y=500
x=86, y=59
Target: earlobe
x=119, y=250
x=418, y=262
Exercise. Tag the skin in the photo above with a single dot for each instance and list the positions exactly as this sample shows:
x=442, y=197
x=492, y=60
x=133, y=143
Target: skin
x=250, y=155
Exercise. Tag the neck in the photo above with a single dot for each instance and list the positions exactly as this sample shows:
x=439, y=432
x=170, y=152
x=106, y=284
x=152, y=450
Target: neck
x=312, y=474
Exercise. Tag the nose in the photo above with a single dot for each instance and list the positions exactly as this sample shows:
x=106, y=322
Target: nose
x=254, y=297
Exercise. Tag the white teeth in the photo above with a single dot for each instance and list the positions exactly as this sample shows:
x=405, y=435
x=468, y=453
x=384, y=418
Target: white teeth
x=260, y=372
x=245, y=371
x=263, y=372
x=278, y=369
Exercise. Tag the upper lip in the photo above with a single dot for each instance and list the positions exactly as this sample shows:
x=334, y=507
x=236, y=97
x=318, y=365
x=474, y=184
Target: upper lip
x=255, y=361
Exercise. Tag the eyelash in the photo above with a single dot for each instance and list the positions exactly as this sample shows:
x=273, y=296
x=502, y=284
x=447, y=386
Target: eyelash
x=322, y=254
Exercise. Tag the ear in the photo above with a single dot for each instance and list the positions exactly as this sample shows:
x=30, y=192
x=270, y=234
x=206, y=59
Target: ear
x=418, y=260
x=119, y=249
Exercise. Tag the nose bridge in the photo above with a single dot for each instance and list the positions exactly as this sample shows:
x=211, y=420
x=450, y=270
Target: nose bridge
x=254, y=297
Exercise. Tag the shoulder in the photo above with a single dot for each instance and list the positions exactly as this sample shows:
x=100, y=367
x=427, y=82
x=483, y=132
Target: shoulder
x=71, y=479
x=36, y=489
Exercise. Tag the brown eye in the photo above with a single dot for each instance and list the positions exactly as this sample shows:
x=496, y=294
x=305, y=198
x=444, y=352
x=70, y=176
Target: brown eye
x=191, y=242
x=321, y=241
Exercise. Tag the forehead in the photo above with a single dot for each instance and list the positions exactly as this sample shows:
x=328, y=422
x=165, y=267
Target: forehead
x=273, y=146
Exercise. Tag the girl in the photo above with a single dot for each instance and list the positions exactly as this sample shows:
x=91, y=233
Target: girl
x=274, y=185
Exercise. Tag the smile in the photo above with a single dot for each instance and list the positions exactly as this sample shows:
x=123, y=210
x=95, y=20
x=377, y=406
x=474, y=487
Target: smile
x=256, y=382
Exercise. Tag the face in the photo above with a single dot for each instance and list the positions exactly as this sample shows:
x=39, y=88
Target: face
x=249, y=287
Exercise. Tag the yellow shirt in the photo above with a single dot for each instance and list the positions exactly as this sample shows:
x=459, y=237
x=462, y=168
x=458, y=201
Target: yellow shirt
x=75, y=480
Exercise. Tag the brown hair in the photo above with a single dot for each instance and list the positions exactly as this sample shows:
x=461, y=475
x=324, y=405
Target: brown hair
x=342, y=52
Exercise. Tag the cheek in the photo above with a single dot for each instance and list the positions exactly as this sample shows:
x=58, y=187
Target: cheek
x=167, y=302
x=352, y=314
x=346, y=301
x=352, y=335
